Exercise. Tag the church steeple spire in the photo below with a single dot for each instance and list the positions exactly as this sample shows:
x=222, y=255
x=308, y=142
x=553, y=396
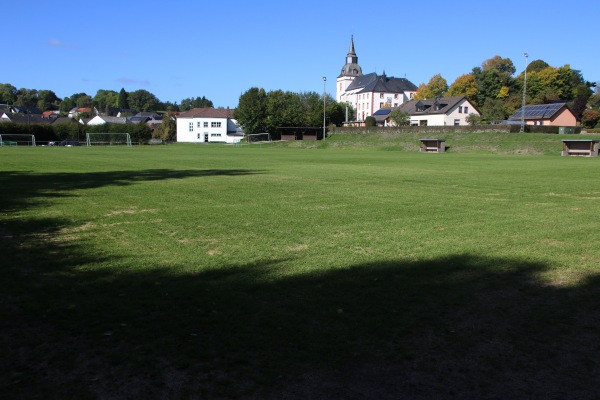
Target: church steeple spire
x=351, y=57
x=350, y=71
x=351, y=68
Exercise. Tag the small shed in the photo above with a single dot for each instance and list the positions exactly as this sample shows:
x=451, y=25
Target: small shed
x=432, y=146
x=301, y=133
x=584, y=147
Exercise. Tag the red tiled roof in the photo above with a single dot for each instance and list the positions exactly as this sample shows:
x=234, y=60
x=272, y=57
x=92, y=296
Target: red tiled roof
x=207, y=113
x=47, y=114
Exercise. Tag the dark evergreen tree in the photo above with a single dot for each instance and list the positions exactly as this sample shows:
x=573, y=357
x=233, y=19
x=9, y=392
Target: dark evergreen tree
x=122, y=102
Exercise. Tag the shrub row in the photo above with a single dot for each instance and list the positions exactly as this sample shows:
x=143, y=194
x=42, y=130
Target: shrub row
x=140, y=133
x=454, y=129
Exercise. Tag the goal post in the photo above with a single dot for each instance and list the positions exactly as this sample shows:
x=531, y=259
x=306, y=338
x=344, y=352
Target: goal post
x=255, y=138
x=7, y=139
x=107, y=139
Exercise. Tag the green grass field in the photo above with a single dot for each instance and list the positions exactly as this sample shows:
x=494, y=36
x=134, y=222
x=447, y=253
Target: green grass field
x=347, y=269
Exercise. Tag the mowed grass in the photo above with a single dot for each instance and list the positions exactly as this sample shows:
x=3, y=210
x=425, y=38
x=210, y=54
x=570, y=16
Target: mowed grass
x=300, y=270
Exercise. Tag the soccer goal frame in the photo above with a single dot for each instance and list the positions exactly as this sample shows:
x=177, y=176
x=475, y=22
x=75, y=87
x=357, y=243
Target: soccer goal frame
x=107, y=139
x=17, y=139
x=257, y=138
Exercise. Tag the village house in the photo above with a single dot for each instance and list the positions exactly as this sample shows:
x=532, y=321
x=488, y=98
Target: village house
x=554, y=114
x=440, y=111
x=208, y=125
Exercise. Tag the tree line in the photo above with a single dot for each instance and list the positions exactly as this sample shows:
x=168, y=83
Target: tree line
x=104, y=101
x=495, y=90
x=261, y=111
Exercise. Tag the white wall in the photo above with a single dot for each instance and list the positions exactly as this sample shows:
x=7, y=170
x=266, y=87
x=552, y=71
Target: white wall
x=365, y=104
x=199, y=132
x=96, y=121
x=462, y=115
x=446, y=119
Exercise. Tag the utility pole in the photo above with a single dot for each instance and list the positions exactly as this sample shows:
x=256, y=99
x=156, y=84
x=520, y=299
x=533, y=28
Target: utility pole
x=524, y=94
x=324, y=89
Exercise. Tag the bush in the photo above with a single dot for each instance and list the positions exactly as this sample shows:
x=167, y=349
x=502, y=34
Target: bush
x=42, y=132
x=370, y=121
x=140, y=133
x=590, y=118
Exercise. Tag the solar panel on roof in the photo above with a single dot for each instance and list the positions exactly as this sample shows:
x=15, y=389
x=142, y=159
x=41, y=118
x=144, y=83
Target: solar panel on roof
x=538, y=111
x=382, y=112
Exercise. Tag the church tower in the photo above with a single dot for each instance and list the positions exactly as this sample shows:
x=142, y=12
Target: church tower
x=350, y=71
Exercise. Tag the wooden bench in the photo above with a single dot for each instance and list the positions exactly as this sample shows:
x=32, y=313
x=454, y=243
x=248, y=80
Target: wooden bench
x=432, y=146
x=583, y=147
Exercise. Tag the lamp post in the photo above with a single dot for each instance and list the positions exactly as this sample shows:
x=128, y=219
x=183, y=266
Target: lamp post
x=324, y=89
x=524, y=94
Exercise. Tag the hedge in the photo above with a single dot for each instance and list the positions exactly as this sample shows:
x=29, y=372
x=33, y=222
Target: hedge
x=44, y=133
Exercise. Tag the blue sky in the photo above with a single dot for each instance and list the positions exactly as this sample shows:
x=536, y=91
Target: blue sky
x=221, y=49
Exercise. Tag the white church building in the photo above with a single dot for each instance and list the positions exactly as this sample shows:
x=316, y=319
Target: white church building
x=368, y=93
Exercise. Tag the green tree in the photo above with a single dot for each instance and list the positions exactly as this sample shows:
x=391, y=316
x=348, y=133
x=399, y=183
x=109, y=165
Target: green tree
x=8, y=94
x=422, y=92
x=201, y=102
x=464, y=85
x=284, y=109
x=312, y=109
x=473, y=119
x=436, y=87
x=336, y=112
x=81, y=100
x=66, y=105
x=504, y=65
x=342, y=107
x=197, y=102
x=251, y=111
x=494, y=79
x=590, y=118
x=47, y=100
x=167, y=129
x=122, y=101
x=26, y=98
x=536, y=66
x=170, y=106
x=594, y=101
x=493, y=110
x=186, y=104
x=399, y=117
x=105, y=100
x=143, y=100
x=370, y=121
x=490, y=83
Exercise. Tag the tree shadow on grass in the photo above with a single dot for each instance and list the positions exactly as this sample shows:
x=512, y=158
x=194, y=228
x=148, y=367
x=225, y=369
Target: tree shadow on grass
x=26, y=189
x=461, y=326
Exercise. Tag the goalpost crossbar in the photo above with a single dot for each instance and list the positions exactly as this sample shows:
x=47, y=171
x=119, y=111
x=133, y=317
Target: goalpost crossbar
x=256, y=138
x=107, y=139
x=16, y=139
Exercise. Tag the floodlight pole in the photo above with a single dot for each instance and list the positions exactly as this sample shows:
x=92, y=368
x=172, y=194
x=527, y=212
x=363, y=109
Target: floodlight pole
x=524, y=94
x=324, y=89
